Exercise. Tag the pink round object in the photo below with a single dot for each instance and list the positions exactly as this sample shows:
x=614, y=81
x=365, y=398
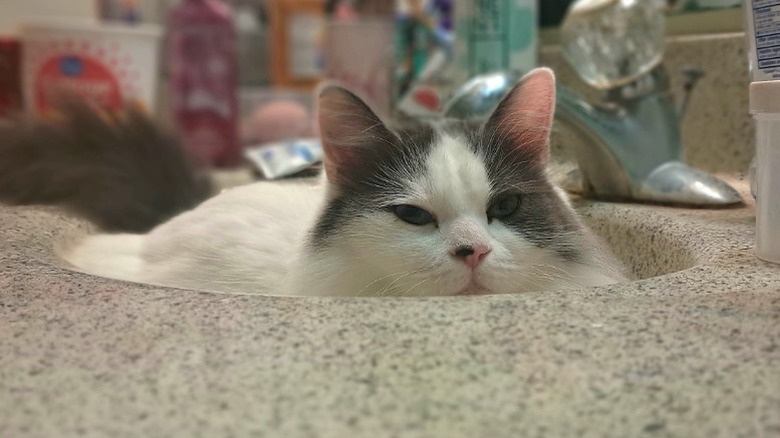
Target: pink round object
x=278, y=120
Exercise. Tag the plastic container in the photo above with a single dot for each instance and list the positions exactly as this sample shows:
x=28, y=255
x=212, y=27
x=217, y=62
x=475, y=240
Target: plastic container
x=765, y=108
x=496, y=35
x=109, y=64
x=204, y=80
x=762, y=32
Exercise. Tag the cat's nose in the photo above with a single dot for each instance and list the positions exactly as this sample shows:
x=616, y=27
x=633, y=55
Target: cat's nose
x=471, y=255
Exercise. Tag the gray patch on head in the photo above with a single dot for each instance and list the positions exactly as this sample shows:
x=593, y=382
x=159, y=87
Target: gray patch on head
x=394, y=161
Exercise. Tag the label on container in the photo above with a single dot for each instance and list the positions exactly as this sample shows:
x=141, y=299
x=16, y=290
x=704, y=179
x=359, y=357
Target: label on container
x=765, y=29
x=496, y=35
x=79, y=75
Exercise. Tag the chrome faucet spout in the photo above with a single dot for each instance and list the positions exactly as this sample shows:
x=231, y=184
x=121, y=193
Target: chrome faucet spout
x=630, y=147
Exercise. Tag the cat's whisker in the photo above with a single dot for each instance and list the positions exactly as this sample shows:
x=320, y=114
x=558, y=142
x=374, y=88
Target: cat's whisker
x=409, y=274
x=400, y=276
x=566, y=280
x=551, y=267
x=439, y=277
x=416, y=285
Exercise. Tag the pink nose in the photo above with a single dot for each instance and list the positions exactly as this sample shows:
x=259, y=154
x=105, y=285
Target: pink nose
x=471, y=255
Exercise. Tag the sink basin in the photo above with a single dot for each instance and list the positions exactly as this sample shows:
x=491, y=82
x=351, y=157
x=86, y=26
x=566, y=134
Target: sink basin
x=648, y=245
x=644, y=239
x=651, y=241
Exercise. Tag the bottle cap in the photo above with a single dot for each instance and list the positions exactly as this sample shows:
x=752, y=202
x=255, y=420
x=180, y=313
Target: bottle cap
x=765, y=97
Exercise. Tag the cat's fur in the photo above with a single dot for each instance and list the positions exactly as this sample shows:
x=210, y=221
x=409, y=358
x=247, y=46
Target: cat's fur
x=122, y=172
x=342, y=237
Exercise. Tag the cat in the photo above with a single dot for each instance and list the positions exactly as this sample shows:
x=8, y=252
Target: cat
x=446, y=208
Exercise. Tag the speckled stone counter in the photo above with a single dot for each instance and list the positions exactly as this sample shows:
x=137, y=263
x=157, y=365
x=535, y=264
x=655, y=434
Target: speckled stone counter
x=691, y=353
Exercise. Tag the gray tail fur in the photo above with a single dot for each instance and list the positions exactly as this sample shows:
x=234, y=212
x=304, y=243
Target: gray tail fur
x=122, y=172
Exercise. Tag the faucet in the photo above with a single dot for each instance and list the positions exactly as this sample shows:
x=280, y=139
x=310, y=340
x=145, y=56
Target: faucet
x=629, y=146
x=631, y=149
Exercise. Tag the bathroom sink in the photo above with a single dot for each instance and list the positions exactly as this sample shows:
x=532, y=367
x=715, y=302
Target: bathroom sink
x=651, y=241
x=693, y=336
x=690, y=348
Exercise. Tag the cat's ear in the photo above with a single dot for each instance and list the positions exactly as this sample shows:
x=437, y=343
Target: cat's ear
x=524, y=117
x=351, y=134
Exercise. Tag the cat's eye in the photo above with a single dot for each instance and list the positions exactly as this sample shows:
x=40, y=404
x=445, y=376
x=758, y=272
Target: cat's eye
x=504, y=206
x=413, y=215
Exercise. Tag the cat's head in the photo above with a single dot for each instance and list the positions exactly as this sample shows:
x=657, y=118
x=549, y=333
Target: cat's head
x=461, y=207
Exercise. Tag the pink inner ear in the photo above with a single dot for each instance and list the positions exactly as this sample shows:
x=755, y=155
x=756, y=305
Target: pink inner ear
x=340, y=163
x=525, y=115
x=347, y=126
x=339, y=114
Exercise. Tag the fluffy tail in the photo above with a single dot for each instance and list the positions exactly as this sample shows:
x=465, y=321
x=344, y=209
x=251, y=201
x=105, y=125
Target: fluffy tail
x=122, y=172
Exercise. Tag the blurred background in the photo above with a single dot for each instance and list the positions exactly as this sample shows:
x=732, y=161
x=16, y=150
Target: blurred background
x=233, y=74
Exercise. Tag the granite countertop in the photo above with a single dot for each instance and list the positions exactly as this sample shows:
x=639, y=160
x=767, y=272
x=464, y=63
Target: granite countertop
x=691, y=353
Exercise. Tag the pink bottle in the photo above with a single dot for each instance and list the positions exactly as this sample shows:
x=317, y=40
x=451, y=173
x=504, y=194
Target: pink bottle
x=202, y=64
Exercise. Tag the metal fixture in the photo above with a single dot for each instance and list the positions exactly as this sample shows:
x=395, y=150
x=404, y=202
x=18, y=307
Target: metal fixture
x=629, y=146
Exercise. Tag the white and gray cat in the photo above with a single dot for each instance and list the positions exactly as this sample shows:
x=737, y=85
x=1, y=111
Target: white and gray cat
x=454, y=208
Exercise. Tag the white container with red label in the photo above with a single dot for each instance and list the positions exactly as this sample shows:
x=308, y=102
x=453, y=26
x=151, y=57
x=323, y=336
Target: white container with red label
x=109, y=64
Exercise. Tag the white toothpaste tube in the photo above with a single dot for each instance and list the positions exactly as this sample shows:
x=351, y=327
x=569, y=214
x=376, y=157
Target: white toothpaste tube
x=281, y=159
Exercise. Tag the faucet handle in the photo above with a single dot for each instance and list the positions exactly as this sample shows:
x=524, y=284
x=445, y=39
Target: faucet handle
x=691, y=76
